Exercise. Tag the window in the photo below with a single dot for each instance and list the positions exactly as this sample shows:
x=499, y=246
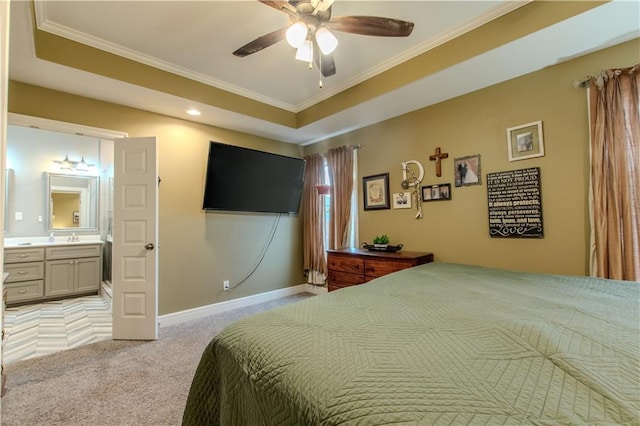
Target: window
x=326, y=207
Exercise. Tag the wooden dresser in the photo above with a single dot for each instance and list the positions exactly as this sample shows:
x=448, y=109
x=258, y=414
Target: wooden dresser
x=349, y=267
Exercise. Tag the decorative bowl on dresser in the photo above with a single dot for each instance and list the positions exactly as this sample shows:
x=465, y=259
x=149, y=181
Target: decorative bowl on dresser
x=351, y=266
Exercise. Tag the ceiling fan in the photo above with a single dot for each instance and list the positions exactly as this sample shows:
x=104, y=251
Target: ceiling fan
x=309, y=31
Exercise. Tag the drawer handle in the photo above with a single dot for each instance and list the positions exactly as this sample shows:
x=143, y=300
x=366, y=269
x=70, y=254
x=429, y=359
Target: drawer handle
x=22, y=291
x=23, y=272
x=23, y=255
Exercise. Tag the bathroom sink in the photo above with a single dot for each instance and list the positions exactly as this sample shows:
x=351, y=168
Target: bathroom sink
x=43, y=242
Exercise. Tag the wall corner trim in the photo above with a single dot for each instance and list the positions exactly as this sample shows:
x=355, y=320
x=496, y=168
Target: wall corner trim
x=228, y=305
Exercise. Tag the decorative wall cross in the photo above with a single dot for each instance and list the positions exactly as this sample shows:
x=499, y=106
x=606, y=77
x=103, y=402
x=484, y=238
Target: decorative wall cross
x=437, y=157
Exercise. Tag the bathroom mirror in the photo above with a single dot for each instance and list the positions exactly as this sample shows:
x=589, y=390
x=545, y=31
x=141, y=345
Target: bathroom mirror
x=73, y=202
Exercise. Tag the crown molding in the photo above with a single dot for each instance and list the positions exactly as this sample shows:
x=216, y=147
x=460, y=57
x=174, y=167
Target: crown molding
x=44, y=24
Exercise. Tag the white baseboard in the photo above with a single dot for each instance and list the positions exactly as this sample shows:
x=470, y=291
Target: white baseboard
x=315, y=289
x=216, y=308
x=106, y=290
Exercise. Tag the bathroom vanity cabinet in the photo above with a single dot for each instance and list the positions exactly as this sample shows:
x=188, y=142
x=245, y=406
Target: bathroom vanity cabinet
x=52, y=271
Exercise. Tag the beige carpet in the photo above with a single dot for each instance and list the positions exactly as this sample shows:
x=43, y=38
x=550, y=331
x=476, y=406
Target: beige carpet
x=116, y=382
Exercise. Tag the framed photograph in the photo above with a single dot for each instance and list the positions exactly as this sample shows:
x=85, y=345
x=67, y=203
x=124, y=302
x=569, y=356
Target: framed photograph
x=375, y=190
x=467, y=170
x=436, y=192
x=76, y=217
x=426, y=193
x=525, y=141
x=401, y=200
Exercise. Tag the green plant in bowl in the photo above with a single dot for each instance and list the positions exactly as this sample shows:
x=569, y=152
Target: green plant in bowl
x=381, y=241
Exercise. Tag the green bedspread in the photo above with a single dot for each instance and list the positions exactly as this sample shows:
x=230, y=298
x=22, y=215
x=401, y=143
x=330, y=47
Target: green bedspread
x=437, y=344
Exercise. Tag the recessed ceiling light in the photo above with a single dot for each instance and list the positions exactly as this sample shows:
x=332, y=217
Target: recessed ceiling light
x=193, y=111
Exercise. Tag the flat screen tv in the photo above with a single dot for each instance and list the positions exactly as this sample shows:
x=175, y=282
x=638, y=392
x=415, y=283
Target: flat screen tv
x=245, y=180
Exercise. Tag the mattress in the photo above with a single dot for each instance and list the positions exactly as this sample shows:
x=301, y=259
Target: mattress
x=434, y=344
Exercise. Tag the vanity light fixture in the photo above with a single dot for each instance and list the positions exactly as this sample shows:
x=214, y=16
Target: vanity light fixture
x=82, y=166
x=66, y=164
x=78, y=166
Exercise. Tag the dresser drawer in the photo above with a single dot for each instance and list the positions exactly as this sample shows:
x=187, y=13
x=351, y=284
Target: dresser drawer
x=24, y=271
x=23, y=255
x=344, y=279
x=376, y=268
x=332, y=286
x=351, y=264
x=72, y=251
x=22, y=291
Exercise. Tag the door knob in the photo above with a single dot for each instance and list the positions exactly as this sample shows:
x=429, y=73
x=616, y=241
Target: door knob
x=149, y=246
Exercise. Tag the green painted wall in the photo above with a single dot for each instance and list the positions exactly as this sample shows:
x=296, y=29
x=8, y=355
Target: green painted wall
x=197, y=250
x=457, y=230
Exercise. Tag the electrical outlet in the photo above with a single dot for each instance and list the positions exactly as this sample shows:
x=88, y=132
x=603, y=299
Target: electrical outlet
x=225, y=285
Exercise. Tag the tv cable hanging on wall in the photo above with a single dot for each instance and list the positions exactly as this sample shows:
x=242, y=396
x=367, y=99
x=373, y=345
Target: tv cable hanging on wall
x=274, y=227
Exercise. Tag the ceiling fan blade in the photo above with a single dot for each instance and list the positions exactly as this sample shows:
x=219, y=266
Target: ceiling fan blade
x=370, y=25
x=326, y=64
x=328, y=67
x=283, y=6
x=261, y=43
x=321, y=5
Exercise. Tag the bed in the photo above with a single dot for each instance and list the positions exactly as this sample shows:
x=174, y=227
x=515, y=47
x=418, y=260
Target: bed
x=434, y=344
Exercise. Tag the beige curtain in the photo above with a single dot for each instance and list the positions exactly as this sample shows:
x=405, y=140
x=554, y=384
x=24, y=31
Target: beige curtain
x=615, y=173
x=340, y=162
x=314, y=263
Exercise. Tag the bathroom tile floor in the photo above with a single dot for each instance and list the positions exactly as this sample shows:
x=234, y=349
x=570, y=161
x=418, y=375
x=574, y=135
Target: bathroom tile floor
x=44, y=328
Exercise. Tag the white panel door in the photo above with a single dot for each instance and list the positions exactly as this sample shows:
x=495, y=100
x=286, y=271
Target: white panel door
x=135, y=239
x=4, y=94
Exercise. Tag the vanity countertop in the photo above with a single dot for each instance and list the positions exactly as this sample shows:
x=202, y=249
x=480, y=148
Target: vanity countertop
x=44, y=241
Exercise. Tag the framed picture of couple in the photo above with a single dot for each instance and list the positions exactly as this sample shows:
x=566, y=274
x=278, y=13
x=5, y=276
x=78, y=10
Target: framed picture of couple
x=467, y=170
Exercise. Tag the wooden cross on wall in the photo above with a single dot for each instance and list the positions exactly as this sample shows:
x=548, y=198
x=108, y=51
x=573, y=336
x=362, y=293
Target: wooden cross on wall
x=437, y=157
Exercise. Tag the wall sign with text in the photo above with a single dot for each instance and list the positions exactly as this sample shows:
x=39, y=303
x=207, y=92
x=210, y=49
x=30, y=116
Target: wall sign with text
x=515, y=204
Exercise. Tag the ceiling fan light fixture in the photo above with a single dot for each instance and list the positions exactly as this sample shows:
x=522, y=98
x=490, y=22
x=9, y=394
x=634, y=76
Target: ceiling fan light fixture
x=327, y=42
x=305, y=52
x=296, y=34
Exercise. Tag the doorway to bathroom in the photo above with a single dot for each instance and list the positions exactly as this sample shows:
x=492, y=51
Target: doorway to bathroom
x=38, y=149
